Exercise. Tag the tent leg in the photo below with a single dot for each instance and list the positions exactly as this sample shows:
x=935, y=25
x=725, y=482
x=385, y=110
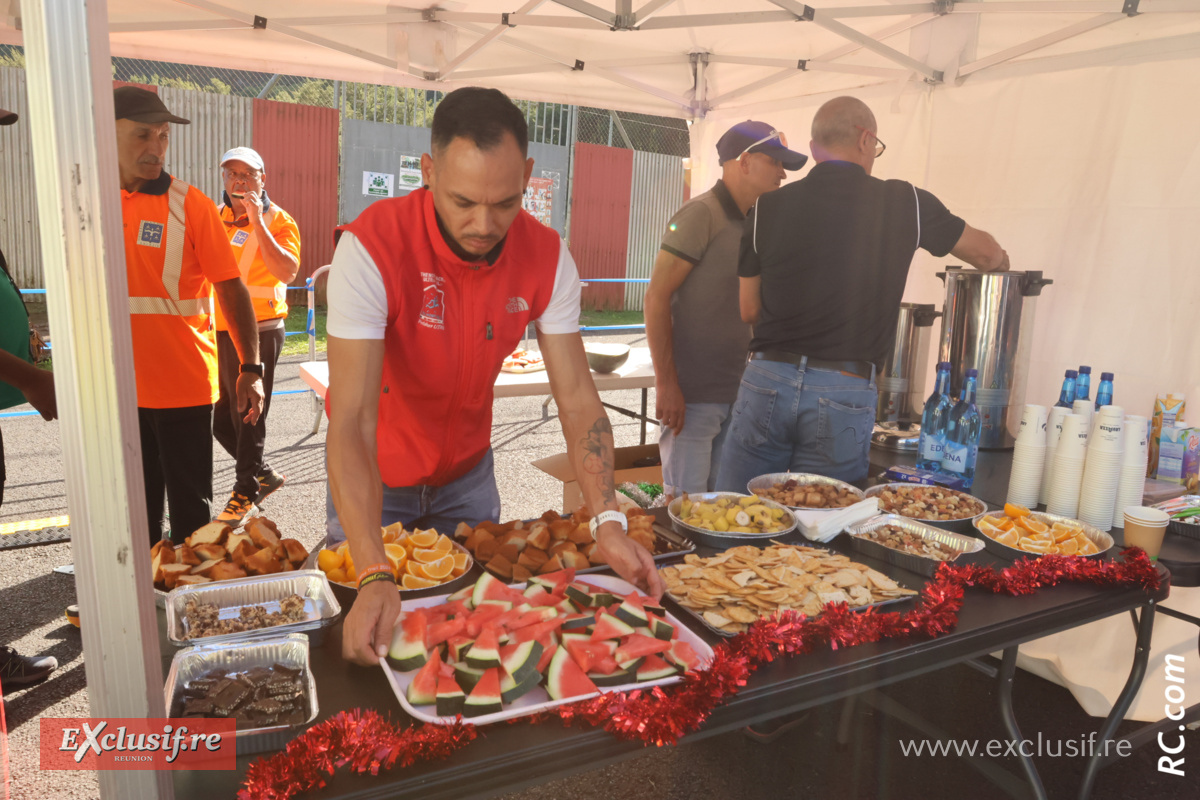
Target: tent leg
x=75, y=164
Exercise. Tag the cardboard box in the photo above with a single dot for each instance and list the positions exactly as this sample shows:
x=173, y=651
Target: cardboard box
x=559, y=466
x=1179, y=456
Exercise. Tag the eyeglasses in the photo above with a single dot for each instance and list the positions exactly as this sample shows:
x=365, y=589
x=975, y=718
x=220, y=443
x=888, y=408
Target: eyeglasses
x=774, y=134
x=879, y=145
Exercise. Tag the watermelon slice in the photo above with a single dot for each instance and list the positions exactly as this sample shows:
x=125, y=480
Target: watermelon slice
x=565, y=606
x=520, y=660
x=631, y=612
x=535, y=616
x=603, y=599
x=481, y=618
x=609, y=627
x=485, y=697
x=532, y=632
x=606, y=665
x=457, y=647
x=564, y=678
x=579, y=594
x=654, y=668
x=547, y=655
x=467, y=676
x=485, y=653
x=573, y=621
x=617, y=677
x=587, y=654
x=639, y=645
x=653, y=607
x=439, y=632
x=512, y=688
x=450, y=698
x=503, y=605
x=557, y=580
x=631, y=665
x=408, y=642
x=662, y=629
x=682, y=655
x=424, y=687
x=490, y=588
x=463, y=595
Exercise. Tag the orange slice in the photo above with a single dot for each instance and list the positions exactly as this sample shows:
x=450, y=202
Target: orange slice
x=351, y=572
x=1089, y=549
x=1006, y=523
x=413, y=568
x=1031, y=546
x=1068, y=548
x=1033, y=525
x=440, y=570
x=427, y=556
x=337, y=575
x=443, y=544
x=424, y=539
x=1062, y=532
x=460, y=562
x=397, y=556
x=413, y=582
x=1009, y=538
x=1013, y=510
x=329, y=560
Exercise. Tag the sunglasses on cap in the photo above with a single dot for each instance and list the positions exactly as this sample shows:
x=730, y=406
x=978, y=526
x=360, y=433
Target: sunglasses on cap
x=774, y=134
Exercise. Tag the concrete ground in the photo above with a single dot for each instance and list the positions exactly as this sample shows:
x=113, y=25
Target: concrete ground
x=807, y=761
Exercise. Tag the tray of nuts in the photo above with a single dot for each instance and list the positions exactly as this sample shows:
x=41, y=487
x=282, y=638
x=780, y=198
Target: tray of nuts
x=912, y=545
x=936, y=505
x=729, y=592
x=252, y=608
x=266, y=685
x=805, y=491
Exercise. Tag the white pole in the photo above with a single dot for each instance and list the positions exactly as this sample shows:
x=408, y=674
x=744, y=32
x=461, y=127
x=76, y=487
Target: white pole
x=75, y=164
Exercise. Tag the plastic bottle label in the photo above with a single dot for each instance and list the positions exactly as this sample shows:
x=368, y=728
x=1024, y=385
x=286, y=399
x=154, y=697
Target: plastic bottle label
x=955, y=456
x=931, y=448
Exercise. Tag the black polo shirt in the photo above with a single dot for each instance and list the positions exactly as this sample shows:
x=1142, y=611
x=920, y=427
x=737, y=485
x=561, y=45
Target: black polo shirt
x=833, y=250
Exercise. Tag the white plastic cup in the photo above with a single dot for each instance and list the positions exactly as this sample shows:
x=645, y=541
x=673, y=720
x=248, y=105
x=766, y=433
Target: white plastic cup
x=1107, y=436
x=1033, y=426
x=1085, y=409
x=1137, y=441
x=1072, y=443
x=1054, y=423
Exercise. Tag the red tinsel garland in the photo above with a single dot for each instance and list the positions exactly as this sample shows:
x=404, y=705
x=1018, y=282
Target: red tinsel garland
x=365, y=741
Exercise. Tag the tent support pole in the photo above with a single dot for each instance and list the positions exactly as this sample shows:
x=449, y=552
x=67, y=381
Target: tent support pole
x=83, y=255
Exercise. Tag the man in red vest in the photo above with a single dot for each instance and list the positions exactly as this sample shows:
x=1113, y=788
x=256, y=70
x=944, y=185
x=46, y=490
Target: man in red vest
x=427, y=295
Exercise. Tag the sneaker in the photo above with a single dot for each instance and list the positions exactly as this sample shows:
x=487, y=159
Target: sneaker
x=267, y=484
x=19, y=670
x=236, y=509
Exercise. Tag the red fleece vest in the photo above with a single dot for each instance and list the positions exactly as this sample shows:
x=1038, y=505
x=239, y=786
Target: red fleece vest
x=451, y=323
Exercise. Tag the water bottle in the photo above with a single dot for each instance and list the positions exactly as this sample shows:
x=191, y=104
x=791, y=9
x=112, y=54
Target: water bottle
x=1083, y=384
x=1105, y=391
x=933, y=421
x=963, y=427
x=1066, y=398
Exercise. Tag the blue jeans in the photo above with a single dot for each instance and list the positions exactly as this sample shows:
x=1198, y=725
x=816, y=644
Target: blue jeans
x=796, y=419
x=472, y=499
x=690, y=460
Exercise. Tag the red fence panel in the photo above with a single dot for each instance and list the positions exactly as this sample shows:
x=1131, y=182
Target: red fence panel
x=603, y=179
x=299, y=146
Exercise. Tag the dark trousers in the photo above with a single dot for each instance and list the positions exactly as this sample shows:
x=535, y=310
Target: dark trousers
x=177, y=456
x=245, y=443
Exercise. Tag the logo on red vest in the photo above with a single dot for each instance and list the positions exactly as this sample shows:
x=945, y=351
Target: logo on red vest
x=433, y=308
x=516, y=305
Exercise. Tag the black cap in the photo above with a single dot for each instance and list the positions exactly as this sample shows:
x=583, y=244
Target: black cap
x=1085, y=370
x=141, y=105
x=759, y=137
x=1106, y=376
x=7, y=117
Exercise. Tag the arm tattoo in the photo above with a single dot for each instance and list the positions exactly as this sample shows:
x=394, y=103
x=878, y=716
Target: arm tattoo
x=598, y=454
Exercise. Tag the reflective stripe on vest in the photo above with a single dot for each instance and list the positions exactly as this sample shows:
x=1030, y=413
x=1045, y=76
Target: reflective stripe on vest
x=276, y=292
x=173, y=265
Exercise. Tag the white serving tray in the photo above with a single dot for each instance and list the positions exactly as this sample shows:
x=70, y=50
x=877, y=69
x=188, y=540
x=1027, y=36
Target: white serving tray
x=537, y=699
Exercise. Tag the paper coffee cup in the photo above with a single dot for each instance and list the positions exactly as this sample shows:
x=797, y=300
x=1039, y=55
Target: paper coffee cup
x=1145, y=528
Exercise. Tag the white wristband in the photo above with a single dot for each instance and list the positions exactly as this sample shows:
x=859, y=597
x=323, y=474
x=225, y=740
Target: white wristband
x=607, y=516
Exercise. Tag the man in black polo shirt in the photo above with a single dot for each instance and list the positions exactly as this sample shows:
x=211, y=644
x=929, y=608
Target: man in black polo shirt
x=822, y=270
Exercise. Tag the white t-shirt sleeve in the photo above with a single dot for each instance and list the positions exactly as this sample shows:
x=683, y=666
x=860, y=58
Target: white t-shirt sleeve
x=357, y=297
x=562, y=312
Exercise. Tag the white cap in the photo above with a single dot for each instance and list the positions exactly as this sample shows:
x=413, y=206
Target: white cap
x=246, y=155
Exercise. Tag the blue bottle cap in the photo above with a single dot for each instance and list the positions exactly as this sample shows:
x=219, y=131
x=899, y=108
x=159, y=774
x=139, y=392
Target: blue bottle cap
x=972, y=373
x=1106, y=376
x=1085, y=370
x=943, y=365
x=1072, y=374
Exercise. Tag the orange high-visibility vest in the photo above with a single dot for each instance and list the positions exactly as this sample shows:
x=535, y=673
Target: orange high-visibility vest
x=268, y=293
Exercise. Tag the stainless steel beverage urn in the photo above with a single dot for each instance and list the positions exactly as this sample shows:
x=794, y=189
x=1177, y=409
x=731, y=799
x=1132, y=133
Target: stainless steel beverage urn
x=987, y=325
x=900, y=386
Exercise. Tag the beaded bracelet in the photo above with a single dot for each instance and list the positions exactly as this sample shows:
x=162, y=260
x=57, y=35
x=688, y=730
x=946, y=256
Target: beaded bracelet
x=376, y=576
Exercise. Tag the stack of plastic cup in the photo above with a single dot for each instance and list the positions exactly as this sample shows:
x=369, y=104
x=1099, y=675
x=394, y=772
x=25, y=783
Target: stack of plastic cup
x=1105, y=454
x=1068, y=467
x=1029, y=458
x=1132, y=481
x=1085, y=409
x=1054, y=424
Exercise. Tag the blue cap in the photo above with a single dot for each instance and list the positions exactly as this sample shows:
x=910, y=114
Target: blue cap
x=972, y=373
x=758, y=137
x=1085, y=370
x=1072, y=373
x=1106, y=376
x=943, y=365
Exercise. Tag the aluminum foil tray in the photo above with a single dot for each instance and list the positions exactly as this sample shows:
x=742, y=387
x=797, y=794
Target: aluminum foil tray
x=1102, y=540
x=290, y=651
x=719, y=540
x=321, y=608
x=922, y=565
x=769, y=480
x=1188, y=529
x=963, y=525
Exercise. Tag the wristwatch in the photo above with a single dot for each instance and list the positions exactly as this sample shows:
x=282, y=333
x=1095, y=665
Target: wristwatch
x=257, y=369
x=607, y=516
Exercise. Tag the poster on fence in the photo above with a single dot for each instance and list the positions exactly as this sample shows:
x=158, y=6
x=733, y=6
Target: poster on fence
x=377, y=184
x=539, y=200
x=410, y=174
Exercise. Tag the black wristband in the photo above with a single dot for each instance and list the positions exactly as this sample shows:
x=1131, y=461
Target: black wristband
x=377, y=576
x=257, y=369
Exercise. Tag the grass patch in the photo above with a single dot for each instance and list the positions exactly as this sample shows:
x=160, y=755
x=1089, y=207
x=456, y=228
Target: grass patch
x=598, y=318
x=296, y=320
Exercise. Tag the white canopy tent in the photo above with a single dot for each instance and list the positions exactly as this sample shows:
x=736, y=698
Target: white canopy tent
x=1061, y=126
